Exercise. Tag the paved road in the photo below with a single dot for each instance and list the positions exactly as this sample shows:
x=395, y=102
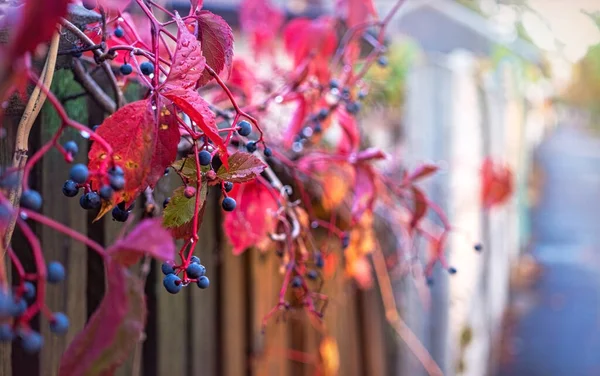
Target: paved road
x=559, y=335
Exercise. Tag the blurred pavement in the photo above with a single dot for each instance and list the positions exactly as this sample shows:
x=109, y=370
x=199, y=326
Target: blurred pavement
x=557, y=332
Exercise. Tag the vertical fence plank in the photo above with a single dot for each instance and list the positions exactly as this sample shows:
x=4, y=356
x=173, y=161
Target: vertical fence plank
x=371, y=324
x=203, y=304
x=235, y=317
x=268, y=348
x=70, y=296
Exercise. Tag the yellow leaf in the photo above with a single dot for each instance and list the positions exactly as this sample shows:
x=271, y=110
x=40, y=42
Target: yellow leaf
x=330, y=356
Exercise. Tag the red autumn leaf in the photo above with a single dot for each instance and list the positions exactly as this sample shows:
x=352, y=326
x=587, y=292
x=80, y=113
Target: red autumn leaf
x=420, y=206
x=370, y=154
x=252, y=220
x=197, y=109
x=297, y=121
x=188, y=61
x=113, y=330
x=314, y=39
x=261, y=21
x=131, y=132
x=365, y=190
x=241, y=78
x=216, y=38
x=351, y=137
x=148, y=237
x=117, y=5
x=421, y=172
x=243, y=167
x=165, y=149
x=38, y=21
x=496, y=185
x=196, y=4
x=358, y=11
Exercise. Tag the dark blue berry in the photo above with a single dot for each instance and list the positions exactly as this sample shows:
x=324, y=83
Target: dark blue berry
x=79, y=173
x=166, y=202
x=429, y=281
x=251, y=146
x=55, y=272
x=5, y=213
x=203, y=282
x=77, y=54
x=89, y=4
x=352, y=107
x=319, y=260
x=126, y=69
x=29, y=291
x=120, y=215
x=195, y=260
x=59, y=323
x=7, y=334
x=362, y=95
x=31, y=200
x=478, y=247
x=71, y=147
x=204, y=157
x=9, y=179
x=95, y=128
x=119, y=32
x=382, y=61
x=70, y=189
x=6, y=304
x=90, y=201
x=312, y=274
x=172, y=283
x=228, y=186
x=228, y=204
x=317, y=129
x=31, y=341
x=166, y=171
x=216, y=162
x=452, y=270
x=116, y=171
x=116, y=182
x=195, y=270
x=105, y=192
x=345, y=241
x=346, y=92
x=322, y=115
x=268, y=152
x=147, y=68
x=244, y=128
x=334, y=84
x=167, y=268
x=296, y=281
x=19, y=307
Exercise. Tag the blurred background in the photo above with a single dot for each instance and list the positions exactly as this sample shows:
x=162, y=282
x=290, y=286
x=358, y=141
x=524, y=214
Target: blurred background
x=505, y=96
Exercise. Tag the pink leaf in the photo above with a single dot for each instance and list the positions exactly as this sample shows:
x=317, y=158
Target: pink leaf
x=38, y=21
x=351, y=139
x=297, y=121
x=358, y=11
x=118, y=5
x=252, y=220
x=197, y=109
x=243, y=167
x=196, y=4
x=422, y=172
x=261, y=21
x=188, y=61
x=420, y=206
x=165, y=150
x=112, y=331
x=365, y=190
x=148, y=237
x=216, y=38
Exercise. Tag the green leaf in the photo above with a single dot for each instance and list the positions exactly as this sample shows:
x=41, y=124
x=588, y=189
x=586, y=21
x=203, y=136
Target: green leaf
x=180, y=209
x=187, y=167
x=243, y=167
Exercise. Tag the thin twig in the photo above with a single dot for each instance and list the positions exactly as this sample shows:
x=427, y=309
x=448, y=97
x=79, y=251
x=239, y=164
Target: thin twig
x=32, y=110
x=97, y=53
x=92, y=87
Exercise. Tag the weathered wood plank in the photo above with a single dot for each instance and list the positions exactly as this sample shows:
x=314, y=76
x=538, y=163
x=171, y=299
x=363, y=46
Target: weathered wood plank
x=268, y=348
x=234, y=291
x=203, y=304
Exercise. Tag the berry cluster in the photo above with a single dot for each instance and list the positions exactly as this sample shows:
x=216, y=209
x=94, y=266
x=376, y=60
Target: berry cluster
x=193, y=271
x=17, y=307
x=78, y=178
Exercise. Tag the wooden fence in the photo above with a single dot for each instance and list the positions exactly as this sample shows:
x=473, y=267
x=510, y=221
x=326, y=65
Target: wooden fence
x=217, y=331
